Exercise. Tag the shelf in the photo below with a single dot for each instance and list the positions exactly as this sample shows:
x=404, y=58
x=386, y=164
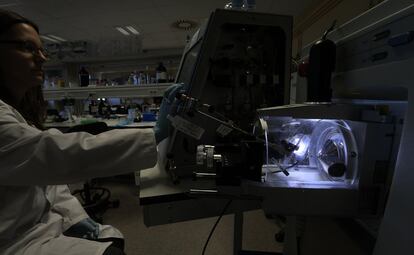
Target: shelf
x=141, y=91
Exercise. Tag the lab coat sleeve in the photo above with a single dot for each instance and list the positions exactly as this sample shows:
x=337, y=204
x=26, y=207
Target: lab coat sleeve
x=29, y=156
x=65, y=204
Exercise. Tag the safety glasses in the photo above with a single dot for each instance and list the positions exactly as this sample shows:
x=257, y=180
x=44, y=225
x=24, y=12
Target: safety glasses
x=28, y=46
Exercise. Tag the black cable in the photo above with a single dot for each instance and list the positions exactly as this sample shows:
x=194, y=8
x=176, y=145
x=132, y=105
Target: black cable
x=329, y=30
x=215, y=225
x=294, y=164
x=284, y=169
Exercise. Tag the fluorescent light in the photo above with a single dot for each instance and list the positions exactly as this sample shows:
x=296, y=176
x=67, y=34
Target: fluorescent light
x=123, y=31
x=8, y=5
x=47, y=38
x=57, y=38
x=132, y=29
x=4, y=4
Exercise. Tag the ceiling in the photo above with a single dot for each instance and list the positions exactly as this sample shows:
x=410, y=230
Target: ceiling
x=95, y=20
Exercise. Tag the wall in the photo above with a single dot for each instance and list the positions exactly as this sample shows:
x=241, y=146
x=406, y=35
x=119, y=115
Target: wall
x=312, y=23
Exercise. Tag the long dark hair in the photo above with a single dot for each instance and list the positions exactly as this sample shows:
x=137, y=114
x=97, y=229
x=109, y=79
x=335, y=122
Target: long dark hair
x=32, y=106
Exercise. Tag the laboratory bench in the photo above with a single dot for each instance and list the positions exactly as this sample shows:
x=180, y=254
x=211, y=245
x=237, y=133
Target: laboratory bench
x=119, y=91
x=112, y=124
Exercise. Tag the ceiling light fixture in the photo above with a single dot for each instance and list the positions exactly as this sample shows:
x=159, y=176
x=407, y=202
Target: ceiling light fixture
x=122, y=30
x=132, y=30
x=47, y=38
x=6, y=3
x=184, y=24
x=57, y=38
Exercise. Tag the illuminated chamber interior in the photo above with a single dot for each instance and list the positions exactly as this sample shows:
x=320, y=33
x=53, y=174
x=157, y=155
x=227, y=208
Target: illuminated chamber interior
x=308, y=151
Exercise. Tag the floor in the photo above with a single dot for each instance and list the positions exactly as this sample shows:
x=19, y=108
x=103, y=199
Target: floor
x=184, y=238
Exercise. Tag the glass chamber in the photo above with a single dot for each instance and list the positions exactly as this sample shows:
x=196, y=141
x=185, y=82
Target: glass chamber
x=308, y=151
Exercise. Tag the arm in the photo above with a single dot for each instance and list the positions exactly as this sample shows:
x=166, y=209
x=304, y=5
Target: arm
x=65, y=204
x=76, y=222
x=163, y=126
x=29, y=156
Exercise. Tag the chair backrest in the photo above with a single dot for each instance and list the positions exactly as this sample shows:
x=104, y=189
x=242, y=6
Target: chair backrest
x=91, y=128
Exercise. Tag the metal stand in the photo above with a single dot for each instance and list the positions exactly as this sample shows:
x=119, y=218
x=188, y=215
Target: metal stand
x=290, y=244
x=238, y=239
x=238, y=233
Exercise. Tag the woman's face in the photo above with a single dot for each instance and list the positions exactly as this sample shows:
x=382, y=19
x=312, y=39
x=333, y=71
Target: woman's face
x=21, y=59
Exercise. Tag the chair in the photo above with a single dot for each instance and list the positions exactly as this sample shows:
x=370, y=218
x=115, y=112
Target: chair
x=95, y=200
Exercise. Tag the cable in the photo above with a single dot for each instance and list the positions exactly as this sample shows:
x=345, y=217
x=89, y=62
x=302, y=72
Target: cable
x=230, y=125
x=215, y=225
x=329, y=30
x=284, y=169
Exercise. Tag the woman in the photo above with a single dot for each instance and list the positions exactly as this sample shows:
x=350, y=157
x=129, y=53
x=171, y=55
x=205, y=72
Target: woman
x=37, y=213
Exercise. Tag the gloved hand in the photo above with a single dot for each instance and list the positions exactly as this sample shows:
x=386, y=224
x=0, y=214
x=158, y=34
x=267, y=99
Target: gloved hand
x=163, y=125
x=86, y=228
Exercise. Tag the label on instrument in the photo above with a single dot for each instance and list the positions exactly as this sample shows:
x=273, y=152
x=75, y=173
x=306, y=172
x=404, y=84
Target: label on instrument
x=223, y=130
x=186, y=127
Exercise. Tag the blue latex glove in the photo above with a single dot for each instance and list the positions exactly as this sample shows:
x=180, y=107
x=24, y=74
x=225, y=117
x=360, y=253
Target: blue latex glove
x=87, y=229
x=163, y=125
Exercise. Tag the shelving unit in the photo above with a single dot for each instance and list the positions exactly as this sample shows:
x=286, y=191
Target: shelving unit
x=121, y=91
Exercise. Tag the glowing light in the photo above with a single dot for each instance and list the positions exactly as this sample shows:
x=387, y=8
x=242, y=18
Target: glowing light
x=302, y=143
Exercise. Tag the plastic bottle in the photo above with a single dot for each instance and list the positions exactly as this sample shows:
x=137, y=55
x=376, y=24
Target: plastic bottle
x=135, y=78
x=147, y=76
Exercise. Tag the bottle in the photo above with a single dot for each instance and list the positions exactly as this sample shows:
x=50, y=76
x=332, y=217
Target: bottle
x=147, y=76
x=135, y=78
x=46, y=83
x=161, y=73
x=249, y=5
x=83, y=77
x=93, y=107
x=170, y=78
x=142, y=79
x=68, y=105
x=234, y=4
x=132, y=113
x=102, y=107
x=130, y=80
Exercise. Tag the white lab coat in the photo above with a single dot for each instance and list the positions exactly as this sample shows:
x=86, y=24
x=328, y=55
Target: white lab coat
x=35, y=204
